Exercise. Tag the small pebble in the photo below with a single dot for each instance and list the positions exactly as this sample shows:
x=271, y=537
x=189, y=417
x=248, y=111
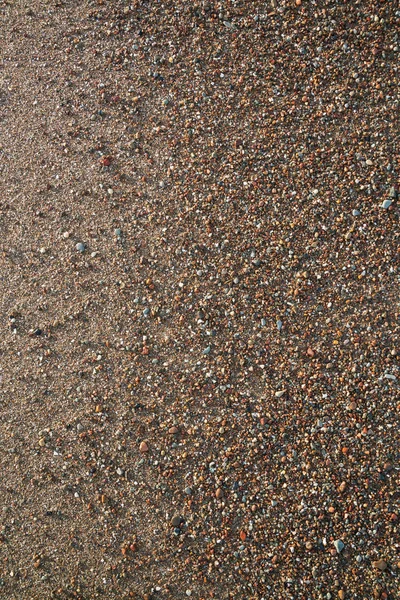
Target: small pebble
x=80, y=247
x=339, y=545
x=386, y=203
x=176, y=521
x=380, y=564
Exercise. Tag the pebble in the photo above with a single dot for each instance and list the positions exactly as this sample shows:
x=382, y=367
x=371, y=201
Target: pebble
x=280, y=393
x=339, y=545
x=219, y=493
x=279, y=325
x=380, y=564
x=118, y=232
x=143, y=447
x=188, y=491
x=176, y=521
x=80, y=247
x=386, y=203
x=356, y=213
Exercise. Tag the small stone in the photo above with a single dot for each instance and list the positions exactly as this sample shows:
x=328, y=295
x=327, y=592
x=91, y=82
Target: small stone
x=338, y=545
x=176, y=521
x=342, y=486
x=393, y=193
x=380, y=564
x=42, y=442
x=207, y=350
x=188, y=491
x=143, y=447
x=356, y=213
x=310, y=352
x=352, y=405
x=279, y=394
x=219, y=494
x=66, y=234
x=386, y=203
x=341, y=594
x=118, y=232
x=279, y=325
x=80, y=247
x=173, y=430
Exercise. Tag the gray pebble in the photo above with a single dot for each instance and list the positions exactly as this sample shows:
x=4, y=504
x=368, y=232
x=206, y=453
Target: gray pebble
x=146, y=312
x=393, y=193
x=356, y=213
x=386, y=203
x=80, y=247
x=118, y=232
x=188, y=491
x=176, y=521
x=338, y=545
x=279, y=325
x=207, y=350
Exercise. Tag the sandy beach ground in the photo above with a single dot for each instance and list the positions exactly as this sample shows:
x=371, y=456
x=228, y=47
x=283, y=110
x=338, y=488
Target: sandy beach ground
x=199, y=300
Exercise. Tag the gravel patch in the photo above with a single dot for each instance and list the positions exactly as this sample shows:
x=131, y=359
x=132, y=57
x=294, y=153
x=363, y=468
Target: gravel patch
x=199, y=362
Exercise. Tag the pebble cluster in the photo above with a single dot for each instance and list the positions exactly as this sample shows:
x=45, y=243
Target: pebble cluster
x=199, y=360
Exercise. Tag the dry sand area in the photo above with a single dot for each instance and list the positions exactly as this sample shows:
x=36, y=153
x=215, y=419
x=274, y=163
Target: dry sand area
x=199, y=275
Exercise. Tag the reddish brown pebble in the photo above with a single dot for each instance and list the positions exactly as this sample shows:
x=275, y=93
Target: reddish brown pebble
x=143, y=447
x=380, y=564
x=173, y=430
x=219, y=494
x=243, y=535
